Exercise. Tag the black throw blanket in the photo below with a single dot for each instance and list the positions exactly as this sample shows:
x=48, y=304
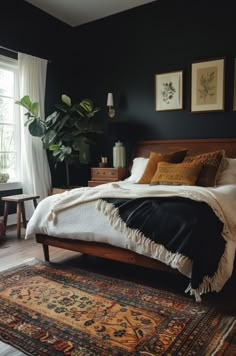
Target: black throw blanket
x=181, y=225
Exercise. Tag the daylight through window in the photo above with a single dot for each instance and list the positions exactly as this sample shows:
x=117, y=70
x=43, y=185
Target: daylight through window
x=9, y=135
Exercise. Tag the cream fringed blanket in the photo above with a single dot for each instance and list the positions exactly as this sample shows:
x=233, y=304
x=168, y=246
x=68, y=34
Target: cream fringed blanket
x=222, y=200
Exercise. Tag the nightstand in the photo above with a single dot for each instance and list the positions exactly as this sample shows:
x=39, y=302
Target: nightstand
x=62, y=190
x=106, y=175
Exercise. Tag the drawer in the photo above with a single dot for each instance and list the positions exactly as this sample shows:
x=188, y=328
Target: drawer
x=94, y=183
x=108, y=174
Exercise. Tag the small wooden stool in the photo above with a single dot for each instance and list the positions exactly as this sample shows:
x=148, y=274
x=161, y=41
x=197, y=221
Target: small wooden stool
x=19, y=200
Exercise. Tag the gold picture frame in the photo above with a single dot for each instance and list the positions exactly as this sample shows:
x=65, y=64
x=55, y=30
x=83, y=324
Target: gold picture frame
x=169, y=91
x=207, y=85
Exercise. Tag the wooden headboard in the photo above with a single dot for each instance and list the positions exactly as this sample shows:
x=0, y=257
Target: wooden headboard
x=194, y=146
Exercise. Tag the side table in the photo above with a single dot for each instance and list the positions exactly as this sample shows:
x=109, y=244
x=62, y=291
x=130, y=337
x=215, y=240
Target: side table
x=105, y=175
x=19, y=200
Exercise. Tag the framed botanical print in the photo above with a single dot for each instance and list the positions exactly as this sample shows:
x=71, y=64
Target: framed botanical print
x=169, y=91
x=207, y=86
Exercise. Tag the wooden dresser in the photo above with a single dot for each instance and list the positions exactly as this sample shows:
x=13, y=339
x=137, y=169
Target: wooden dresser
x=106, y=175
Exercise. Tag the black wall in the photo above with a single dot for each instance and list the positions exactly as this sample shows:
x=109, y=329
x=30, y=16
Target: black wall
x=11, y=206
x=27, y=29
x=121, y=54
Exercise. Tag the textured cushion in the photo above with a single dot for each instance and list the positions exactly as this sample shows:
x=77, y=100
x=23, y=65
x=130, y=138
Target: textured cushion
x=137, y=170
x=228, y=173
x=155, y=158
x=210, y=165
x=180, y=173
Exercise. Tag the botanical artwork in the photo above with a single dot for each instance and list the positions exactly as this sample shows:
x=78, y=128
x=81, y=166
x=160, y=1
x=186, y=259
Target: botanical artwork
x=207, y=86
x=168, y=91
x=207, y=91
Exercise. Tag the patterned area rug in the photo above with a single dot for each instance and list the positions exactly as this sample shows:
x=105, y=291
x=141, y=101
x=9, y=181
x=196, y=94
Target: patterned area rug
x=50, y=310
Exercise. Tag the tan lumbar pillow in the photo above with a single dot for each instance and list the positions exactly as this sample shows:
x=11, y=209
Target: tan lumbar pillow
x=176, y=174
x=154, y=160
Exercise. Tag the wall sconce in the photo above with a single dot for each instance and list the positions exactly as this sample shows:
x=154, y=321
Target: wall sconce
x=110, y=104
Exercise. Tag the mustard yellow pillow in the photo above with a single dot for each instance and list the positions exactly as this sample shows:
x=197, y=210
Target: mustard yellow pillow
x=180, y=173
x=155, y=158
x=210, y=162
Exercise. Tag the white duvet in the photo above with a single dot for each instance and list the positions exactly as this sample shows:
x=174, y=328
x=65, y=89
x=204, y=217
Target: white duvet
x=80, y=214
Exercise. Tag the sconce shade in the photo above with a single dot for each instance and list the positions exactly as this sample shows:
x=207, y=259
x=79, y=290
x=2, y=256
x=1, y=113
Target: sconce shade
x=110, y=99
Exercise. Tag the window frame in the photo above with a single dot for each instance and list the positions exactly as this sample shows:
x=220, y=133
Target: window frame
x=11, y=64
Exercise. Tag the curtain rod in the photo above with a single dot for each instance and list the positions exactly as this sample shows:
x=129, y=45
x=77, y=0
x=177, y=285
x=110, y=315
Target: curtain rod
x=13, y=51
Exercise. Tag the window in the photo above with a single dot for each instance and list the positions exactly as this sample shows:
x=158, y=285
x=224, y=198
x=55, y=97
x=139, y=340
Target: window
x=9, y=118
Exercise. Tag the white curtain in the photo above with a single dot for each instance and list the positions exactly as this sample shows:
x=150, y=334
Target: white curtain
x=35, y=173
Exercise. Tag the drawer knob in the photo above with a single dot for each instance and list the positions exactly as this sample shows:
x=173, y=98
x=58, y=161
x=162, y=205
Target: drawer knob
x=97, y=172
x=112, y=173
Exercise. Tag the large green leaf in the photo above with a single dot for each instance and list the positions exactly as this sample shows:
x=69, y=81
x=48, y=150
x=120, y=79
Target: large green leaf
x=80, y=111
x=34, y=109
x=66, y=150
x=62, y=107
x=87, y=105
x=82, y=146
x=25, y=102
x=36, y=128
x=56, y=153
x=49, y=137
x=60, y=124
x=51, y=119
x=66, y=99
x=54, y=147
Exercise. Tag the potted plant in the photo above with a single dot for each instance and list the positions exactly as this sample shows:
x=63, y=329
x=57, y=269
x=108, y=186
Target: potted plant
x=68, y=132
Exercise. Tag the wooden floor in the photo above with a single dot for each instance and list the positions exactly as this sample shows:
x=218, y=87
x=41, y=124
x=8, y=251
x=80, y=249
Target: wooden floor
x=14, y=252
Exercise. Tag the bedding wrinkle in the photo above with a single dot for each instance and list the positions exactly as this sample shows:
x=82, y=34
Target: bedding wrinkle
x=149, y=247
x=74, y=215
x=171, y=226
x=222, y=201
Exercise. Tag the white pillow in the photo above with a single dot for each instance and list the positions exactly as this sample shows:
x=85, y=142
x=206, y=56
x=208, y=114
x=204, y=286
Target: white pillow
x=228, y=175
x=137, y=170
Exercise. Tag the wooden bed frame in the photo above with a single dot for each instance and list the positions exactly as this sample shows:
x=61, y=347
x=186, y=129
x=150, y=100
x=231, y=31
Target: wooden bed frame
x=142, y=149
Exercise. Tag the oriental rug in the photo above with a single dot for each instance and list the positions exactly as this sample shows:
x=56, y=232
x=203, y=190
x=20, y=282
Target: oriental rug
x=48, y=309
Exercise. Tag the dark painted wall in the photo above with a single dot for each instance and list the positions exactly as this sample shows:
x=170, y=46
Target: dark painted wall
x=11, y=206
x=122, y=53
x=27, y=29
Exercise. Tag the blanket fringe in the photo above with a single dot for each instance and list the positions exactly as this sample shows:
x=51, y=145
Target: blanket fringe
x=157, y=251
x=209, y=284
x=216, y=282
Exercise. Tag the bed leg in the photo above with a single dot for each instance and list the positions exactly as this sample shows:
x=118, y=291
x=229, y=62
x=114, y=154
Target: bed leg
x=46, y=252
